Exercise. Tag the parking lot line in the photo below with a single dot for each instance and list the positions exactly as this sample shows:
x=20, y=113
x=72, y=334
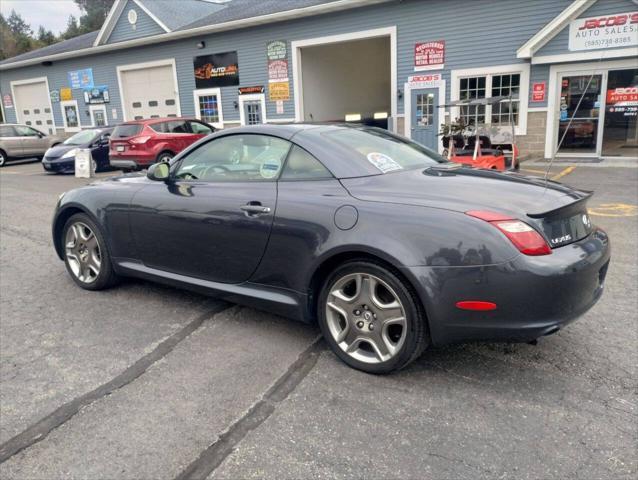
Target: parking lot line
x=564, y=172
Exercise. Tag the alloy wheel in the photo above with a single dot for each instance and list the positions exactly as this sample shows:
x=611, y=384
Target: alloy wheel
x=366, y=318
x=3, y=159
x=83, y=252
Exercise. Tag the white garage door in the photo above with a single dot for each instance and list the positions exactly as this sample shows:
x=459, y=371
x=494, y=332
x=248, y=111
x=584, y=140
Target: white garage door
x=32, y=105
x=149, y=92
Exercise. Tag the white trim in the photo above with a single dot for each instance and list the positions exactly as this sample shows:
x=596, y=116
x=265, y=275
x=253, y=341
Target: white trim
x=553, y=28
x=281, y=120
x=555, y=71
x=109, y=23
x=209, y=91
x=153, y=17
x=407, y=108
x=141, y=66
x=74, y=103
x=294, y=14
x=523, y=94
x=252, y=96
x=94, y=108
x=4, y=113
x=297, y=45
x=536, y=109
x=591, y=55
x=25, y=82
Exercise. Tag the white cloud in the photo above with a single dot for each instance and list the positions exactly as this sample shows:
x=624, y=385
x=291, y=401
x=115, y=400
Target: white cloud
x=52, y=14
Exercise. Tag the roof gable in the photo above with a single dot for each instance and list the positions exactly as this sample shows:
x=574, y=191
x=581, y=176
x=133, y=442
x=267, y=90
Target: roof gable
x=553, y=28
x=128, y=20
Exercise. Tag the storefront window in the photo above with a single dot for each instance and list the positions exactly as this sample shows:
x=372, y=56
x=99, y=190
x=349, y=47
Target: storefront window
x=479, y=87
x=620, y=133
x=580, y=101
x=208, y=108
x=471, y=88
x=505, y=85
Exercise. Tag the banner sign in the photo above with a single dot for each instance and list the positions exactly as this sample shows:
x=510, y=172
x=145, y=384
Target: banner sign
x=278, y=91
x=432, y=80
x=624, y=95
x=7, y=100
x=619, y=30
x=216, y=70
x=81, y=78
x=429, y=55
x=249, y=90
x=66, y=94
x=538, y=92
x=55, y=96
x=95, y=95
x=278, y=83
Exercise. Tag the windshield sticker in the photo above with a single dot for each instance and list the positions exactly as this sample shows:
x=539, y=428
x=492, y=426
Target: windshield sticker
x=383, y=162
x=270, y=168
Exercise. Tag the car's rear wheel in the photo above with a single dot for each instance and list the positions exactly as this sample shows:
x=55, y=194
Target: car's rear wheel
x=371, y=318
x=85, y=254
x=3, y=158
x=165, y=157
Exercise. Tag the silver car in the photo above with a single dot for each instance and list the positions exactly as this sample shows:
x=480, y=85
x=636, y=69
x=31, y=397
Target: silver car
x=23, y=141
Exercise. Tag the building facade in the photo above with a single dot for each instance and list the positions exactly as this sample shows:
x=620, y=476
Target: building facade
x=567, y=68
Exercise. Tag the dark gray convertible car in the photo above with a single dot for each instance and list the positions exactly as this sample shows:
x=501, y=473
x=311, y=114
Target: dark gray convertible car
x=381, y=241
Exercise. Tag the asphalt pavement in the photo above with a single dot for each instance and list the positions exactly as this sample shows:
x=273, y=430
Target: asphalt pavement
x=144, y=381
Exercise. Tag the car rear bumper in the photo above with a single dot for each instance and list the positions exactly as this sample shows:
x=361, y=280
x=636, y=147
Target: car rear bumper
x=131, y=160
x=534, y=296
x=124, y=163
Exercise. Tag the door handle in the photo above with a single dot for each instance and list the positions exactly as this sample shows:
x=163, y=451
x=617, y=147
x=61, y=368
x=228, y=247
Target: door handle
x=254, y=208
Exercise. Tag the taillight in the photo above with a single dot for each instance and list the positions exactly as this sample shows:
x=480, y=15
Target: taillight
x=527, y=240
x=142, y=139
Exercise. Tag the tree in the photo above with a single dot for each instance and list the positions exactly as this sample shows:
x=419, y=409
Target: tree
x=8, y=46
x=45, y=37
x=72, y=28
x=95, y=12
x=16, y=35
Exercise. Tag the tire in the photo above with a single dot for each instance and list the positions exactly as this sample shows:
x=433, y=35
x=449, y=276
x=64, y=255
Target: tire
x=165, y=157
x=360, y=340
x=3, y=158
x=88, y=254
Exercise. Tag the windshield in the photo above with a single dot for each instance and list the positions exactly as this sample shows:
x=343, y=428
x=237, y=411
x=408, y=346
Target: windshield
x=387, y=152
x=83, y=137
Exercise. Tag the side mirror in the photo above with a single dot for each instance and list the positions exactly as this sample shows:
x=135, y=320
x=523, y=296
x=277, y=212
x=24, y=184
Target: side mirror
x=103, y=142
x=158, y=172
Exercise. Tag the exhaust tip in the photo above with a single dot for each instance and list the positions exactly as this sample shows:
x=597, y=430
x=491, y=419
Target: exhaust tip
x=551, y=331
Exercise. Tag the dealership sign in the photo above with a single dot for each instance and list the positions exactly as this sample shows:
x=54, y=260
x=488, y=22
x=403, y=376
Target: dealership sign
x=620, y=30
x=7, y=100
x=278, y=82
x=216, y=70
x=429, y=55
x=250, y=90
x=432, y=80
x=81, y=78
x=538, y=92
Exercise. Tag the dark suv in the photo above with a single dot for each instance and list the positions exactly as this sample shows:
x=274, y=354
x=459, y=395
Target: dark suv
x=138, y=144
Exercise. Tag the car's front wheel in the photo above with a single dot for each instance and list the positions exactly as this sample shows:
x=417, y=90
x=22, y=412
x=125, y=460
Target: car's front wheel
x=3, y=158
x=85, y=254
x=371, y=318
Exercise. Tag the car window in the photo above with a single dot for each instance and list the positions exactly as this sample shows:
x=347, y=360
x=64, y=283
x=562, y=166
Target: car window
x=26, y=131
x=200, y=128
x=301, y=165
x=178, y=126
x=80, y=138
x=6, y=131
x=127, y=130
x=236, y=158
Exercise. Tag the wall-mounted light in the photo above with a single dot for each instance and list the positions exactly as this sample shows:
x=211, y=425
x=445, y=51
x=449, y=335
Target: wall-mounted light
x=236, y=105
x=399, y=93
x=201, y=44
x=47, y=63
x=353, y=117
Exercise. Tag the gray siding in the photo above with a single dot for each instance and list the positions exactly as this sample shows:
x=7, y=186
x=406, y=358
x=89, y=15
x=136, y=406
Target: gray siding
x=559, y=44
x=144, y=27
x=479, y=33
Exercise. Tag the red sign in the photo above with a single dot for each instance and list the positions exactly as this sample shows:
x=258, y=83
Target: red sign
x=250, y=90
x=7, y=101
x=538, y=92
x=624, y=95
x=429, y=55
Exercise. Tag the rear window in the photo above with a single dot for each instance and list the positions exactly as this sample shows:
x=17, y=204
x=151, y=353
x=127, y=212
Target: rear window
x=385, y=151
x=126, y=130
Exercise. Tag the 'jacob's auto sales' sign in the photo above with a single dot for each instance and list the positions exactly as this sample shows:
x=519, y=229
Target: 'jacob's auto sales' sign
x=620, y=30
x=216, y=70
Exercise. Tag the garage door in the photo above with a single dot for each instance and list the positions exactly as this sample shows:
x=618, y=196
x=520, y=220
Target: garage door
x=32, y=105
x=149, y=92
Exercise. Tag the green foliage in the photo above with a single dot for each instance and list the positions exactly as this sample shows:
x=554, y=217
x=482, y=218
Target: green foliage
x=17, y=37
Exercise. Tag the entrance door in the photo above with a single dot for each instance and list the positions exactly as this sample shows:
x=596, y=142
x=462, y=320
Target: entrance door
x=580, y=98
x=252, y=109
x=425, y=116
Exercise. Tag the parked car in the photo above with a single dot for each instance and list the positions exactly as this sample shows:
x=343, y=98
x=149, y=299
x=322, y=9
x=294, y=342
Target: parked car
x=22, y=141
x=384, y=243
x=61, y=158
x=139, y=144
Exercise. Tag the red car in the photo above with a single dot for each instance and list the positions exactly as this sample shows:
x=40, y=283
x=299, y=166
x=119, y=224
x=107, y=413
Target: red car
x=138, y=144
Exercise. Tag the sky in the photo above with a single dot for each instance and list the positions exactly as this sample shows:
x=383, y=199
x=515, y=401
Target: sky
x=52, y=14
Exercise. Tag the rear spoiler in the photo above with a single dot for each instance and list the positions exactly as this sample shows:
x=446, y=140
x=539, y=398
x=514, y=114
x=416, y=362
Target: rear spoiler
x=578, y=197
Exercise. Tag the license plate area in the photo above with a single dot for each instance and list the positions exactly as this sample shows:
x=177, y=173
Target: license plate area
x=120, y=148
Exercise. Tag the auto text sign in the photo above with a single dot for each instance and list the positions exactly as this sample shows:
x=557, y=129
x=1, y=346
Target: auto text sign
x=619, y=30
x=429, y=55
x=81, y=78
x=216, y=70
